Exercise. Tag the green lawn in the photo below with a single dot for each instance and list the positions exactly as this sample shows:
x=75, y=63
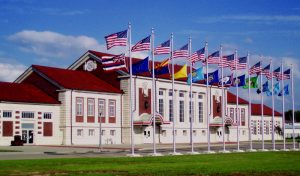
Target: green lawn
x=4, y=150
x=260, y=163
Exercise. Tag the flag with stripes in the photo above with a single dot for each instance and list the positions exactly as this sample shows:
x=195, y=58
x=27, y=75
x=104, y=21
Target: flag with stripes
x=277, y=73
x=241, y=63
x=116, y=39
x=255, y=68
x=213, y=58
x=142, y=45
x=163, y=48
x=286, y=75
x=113, y=63
x=181, y=52
x=266, y=71
x=197, y=56
x=227, y=61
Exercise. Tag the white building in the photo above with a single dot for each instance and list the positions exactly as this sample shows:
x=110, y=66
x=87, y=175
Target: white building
x=84, y=94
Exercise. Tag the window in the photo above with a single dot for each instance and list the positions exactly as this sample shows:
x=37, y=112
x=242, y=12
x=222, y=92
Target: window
x=184, y=132
x=91, y=132
x=161, y=106
x=243, y=116
x=112, y=108
x=79, y=106
x=203, y=132
x=164, y=133
x=181, y=94
x=254, y=127
x=91, y=107
x=101, y=108
x=7, y=114
x=194, y=133
x=79, y=132
x=28, y=115
x=161, y=92
x=200, y=96
x=181, y=111
x=112, y=132
x=47, y=115
x=244, y=132
x=267, y=127
x=171, y=115
x=170, y=92
x=200, y=112
x=191, y=111
x=232, y=113
x=103, y=132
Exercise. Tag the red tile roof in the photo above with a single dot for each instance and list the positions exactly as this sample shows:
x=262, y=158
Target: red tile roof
x=231, y=98
x=77, y=80
x=14, y=92
x=256, y=110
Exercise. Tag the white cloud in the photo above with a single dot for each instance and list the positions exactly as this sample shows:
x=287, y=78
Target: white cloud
x=248, y=40
x=10, y=71
x=52, y=44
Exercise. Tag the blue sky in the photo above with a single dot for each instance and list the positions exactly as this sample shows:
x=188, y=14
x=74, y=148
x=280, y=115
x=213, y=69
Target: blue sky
x=55, y=33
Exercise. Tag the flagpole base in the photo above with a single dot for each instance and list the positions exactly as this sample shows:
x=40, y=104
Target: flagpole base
x=155, y=154
x=263, y=150
x=134, y=155
x=238, y=151
x=294, y=149
x=284, y=150
x=274, y=150
x=224, y=151
x=209, y=152
x=252, y=150
x=175, y=154
x=192, y=153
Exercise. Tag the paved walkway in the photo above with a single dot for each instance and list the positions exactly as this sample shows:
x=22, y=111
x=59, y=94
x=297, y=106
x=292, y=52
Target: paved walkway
x=42, y=152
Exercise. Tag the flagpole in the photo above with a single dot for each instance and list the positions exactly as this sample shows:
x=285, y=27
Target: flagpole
x=154, y=92
x=273, y=105
x=223, y=98
x=249, y=105
x=173, y=97
x=191, y=99
x=262, y=124
x=207, y=106
x=130, y=87
x=283, y=107
x=237, y=104
x=293, y=106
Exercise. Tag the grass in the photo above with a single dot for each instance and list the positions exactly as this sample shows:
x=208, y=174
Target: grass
x=259, y=163
x=4, y=150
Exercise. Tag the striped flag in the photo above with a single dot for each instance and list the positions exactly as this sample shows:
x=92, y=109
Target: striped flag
x=163, y=48
x=213, y=58
x=286, y=75
x=142, y=45
x=255, y=68
x=227, y=61
x=277, y=73
x=197, y=56
x=266, y=71
x=181, y=52
x=116, y=39
x=241, y=63
x=113, y=63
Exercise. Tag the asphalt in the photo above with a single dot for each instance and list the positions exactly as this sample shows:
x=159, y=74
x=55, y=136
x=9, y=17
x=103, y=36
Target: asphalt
x=90, y=151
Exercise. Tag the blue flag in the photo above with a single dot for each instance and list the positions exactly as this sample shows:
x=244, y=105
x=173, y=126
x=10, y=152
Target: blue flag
x=276, y=88
x=285, y=90
x=213, y=77
x=162, y=70
x=239, y=81
x=197, y=76
x=140, y=66
x=265, y=87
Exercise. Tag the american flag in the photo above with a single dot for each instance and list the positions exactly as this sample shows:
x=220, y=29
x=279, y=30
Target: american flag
x=163, y=48
x=255, y=68
x=213, y=58
x=181, y=52
x=116, y=39
x=228, y=61
x=113, y=63
x=198, y=56
x=142, y=45
x=277, y=73
x=286, y=75
x=241, y=64
x=266, y=71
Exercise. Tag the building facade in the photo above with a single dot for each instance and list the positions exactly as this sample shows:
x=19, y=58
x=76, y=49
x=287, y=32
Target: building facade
x=87, y=101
